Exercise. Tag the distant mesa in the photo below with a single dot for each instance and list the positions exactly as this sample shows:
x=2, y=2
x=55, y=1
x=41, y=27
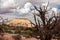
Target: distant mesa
x=24, y=22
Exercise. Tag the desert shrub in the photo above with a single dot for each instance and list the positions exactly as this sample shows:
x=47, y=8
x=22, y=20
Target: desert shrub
x=17, y=31
x=27, y=33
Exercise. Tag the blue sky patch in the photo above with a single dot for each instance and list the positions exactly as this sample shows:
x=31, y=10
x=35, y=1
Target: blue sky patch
x=59, y=7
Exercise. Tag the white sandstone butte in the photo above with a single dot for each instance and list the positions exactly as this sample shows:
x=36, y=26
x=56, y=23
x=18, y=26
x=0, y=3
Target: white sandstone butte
x=24, y=22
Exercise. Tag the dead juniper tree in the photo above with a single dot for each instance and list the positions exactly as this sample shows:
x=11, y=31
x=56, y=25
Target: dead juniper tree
x=48, y=24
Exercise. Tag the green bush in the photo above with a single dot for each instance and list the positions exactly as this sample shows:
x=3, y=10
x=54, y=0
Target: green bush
x=28, y=33
x=17, y=31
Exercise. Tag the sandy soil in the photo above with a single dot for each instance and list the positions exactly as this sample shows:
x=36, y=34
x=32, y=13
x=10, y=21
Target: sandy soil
x=7, y=36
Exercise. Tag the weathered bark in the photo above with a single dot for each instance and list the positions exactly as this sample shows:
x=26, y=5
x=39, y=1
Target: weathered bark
x=48, y=37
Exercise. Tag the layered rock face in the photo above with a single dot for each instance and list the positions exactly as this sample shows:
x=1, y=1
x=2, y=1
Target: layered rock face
x=20, y=22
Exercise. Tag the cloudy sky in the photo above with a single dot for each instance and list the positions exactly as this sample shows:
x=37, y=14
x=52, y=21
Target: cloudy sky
x=20, y=8
x=34, y=2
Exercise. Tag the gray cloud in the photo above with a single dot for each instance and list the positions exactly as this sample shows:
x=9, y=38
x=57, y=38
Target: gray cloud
x=4, y=11
x=37, y=2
